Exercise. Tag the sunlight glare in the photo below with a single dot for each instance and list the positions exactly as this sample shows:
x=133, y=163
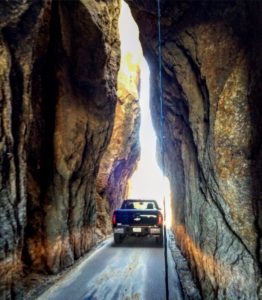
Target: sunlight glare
x=147, y=181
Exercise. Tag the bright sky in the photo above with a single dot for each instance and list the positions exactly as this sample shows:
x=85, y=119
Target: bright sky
x=147, y=182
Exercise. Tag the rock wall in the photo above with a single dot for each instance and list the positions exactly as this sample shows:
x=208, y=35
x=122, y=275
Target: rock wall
x=120, y=158
x=212, y=135
x=59, y=62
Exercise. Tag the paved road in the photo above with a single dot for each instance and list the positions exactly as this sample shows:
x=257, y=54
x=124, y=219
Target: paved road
x=133, y=270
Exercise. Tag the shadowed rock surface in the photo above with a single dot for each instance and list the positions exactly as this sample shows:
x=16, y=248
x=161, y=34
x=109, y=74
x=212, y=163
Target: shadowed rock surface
x=119, y=160
x=59, y=62
x=212, y=135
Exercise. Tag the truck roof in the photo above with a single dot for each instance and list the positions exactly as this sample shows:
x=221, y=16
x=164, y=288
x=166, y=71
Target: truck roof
x=140, y=200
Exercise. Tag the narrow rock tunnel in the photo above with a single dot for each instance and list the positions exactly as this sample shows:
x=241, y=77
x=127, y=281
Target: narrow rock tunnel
x=69, y=134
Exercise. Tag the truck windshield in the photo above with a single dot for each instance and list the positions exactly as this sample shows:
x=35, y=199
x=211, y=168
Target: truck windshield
x=139, y=205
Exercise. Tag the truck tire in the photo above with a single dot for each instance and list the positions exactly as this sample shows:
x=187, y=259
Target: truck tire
x=117, y=238
x=159, y=240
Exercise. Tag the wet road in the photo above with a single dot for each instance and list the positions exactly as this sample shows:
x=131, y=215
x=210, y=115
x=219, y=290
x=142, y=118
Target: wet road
x=133, y=270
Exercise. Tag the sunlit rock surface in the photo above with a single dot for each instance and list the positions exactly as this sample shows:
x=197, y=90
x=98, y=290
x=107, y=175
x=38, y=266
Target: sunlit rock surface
x=58, y=72
x=120, y=158
x=212, y=135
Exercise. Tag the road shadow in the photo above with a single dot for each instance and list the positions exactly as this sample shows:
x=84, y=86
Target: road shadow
x=137, y=242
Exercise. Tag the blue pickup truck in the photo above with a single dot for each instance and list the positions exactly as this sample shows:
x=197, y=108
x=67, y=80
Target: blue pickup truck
x=138, y=217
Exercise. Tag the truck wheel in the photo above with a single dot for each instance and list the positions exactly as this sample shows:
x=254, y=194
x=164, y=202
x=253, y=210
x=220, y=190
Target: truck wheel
x=117, y=238
x=159, y=240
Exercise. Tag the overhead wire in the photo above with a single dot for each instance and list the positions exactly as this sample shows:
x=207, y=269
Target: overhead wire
x=162, y=139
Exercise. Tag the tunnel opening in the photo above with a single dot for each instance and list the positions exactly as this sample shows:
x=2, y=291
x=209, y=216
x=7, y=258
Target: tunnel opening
x=148, y=180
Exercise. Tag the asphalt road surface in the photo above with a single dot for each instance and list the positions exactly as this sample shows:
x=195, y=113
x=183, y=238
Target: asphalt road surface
x=133, y=270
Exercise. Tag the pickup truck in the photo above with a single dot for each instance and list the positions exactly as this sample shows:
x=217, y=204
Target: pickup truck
x=139, y=218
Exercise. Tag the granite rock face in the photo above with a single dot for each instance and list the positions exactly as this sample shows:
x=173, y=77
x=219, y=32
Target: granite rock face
x=212, y=68
x=121, y=156
x=58, y=72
